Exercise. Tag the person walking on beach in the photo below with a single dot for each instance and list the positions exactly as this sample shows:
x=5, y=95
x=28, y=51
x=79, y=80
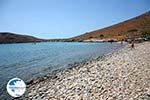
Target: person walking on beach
x=132, y=44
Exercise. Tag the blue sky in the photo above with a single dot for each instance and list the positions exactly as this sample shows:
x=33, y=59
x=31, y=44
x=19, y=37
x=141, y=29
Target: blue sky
x=65, y=18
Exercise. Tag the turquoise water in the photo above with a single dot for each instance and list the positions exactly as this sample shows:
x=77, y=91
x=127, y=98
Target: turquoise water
x=27, y=60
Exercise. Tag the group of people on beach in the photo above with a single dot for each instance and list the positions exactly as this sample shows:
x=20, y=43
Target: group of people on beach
x=132, y=43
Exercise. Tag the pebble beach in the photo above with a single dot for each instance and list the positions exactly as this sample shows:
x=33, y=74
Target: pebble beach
x=121, y=75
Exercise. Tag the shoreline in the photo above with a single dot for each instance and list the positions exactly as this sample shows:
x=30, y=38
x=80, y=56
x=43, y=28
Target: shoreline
x=46, y=72
x=117, y=75
x=68, y=67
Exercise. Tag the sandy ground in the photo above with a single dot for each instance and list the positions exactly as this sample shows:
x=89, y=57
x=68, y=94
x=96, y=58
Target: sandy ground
x=122, y=75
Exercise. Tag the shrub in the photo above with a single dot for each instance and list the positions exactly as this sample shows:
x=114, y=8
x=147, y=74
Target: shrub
x=146, y=34
x=101, y=35
x=90, y=37
x=132, y=30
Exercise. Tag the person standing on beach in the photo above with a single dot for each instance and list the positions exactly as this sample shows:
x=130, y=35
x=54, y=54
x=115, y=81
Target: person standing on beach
x=122, y=42
x=132, y=44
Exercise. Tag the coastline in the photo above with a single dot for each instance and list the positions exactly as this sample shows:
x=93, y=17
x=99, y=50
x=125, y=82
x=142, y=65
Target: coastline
x=78, y=53
x=123, y=74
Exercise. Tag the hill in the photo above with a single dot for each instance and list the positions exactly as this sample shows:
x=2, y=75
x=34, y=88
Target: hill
x=122, y=30
x=7, y=37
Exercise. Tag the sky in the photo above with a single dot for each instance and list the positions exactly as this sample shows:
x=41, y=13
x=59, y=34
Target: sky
x=65, y=18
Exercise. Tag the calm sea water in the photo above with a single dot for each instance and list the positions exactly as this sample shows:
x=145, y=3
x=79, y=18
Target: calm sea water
x=28, y=60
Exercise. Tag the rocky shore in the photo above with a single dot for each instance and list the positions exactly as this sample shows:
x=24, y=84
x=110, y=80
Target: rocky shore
x=122, y=75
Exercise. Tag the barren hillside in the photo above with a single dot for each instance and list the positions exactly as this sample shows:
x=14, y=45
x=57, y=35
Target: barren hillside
x=132, y=27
